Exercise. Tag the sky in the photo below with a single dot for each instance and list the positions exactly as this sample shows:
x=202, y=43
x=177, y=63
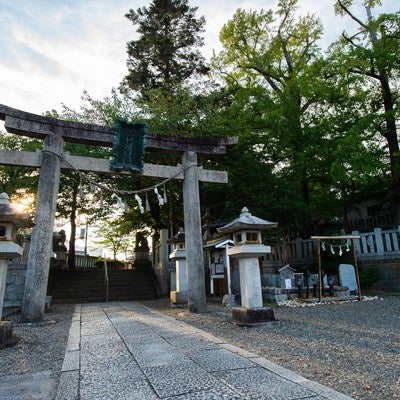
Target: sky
x=53, y=50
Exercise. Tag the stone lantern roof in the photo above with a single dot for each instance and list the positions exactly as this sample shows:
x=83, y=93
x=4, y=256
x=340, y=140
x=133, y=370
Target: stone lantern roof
x=246, y=221
x=178, y=238
x=8, y=213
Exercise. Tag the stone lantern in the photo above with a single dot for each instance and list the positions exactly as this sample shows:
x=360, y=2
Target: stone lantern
x=248, y=248
x=179, y=285
x=10, y=221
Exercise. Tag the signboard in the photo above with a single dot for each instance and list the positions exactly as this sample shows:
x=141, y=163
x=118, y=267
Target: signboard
x=128, y=146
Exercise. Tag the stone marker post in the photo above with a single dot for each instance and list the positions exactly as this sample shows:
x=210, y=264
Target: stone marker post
x=193, y=236
x=37, y=274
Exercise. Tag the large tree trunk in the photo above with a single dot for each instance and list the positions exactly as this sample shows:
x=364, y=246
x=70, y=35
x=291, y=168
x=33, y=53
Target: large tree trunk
x=390, y=131
x=390, y=134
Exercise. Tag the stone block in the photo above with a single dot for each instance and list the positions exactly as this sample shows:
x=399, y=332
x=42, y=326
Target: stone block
x=259, y=383
x=178, y=297
x=252, y=316
x=5, y=333
x=228, y=300
x=280, y=297
x=33, y=386
x=274, y=294
x=11, y=295
x=20, y=279
x=220, y=360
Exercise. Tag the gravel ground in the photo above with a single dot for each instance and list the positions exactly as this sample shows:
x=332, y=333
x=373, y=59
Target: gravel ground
x=41, y=346
x=353, y=348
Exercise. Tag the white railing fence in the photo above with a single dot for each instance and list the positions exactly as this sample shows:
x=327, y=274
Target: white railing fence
x=377, y=245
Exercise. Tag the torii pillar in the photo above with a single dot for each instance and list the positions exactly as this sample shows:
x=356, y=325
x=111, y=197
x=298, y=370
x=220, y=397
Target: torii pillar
x=42, y=235
x=193, y=236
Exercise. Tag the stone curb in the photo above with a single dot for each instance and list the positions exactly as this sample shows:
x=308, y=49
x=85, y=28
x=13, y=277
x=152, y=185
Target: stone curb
x=68, y=387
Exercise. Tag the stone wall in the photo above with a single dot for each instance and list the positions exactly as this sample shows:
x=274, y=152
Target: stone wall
x=15, y=285
x=386, y=274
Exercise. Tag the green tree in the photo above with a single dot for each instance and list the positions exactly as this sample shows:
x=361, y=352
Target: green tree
x=368, y=61
x=13, y=178
x=273, y=61
x=166, y=53
x=114, y=235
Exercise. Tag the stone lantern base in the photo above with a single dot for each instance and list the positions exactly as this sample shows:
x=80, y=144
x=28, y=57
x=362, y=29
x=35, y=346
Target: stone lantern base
x=243, y=316
x=178, y=298
x=6, y=335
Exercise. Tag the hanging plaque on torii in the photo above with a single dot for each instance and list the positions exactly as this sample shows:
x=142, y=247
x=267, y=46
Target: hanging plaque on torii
x=128, y=146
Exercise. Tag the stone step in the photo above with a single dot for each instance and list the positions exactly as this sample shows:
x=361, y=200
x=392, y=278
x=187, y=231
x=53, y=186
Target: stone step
x=89, y=285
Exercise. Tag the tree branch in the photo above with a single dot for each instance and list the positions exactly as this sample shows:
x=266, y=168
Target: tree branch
x=367, y=73
x=283, y=43
x=269, y=77
x=350, y=40
x=350, y=14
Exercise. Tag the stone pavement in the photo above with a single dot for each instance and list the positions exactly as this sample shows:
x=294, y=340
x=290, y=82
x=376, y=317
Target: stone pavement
x=126, y=351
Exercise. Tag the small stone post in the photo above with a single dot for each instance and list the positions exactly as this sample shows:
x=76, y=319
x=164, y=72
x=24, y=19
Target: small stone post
x=193, y=236
x=37, y=274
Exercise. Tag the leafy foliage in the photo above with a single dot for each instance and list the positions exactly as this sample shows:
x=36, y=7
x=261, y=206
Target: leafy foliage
x=368, y=62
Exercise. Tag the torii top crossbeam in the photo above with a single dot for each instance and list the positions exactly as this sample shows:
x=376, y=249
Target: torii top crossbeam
x=33, y=125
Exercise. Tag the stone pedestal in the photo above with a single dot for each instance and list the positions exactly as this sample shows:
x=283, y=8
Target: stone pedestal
x=252, y=316
x=250, y=282
x=180, y=294
x=178, y=298
x=5, y=333
x=7, y=251
x=229, y=300
x=252, y=311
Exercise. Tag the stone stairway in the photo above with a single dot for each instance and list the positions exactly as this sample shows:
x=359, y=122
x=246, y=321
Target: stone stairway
x=88, y=286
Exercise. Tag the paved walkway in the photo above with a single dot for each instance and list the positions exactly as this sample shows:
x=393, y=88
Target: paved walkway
x=126, y=351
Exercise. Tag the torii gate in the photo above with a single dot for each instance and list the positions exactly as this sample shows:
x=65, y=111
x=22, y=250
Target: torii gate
x=51, y=159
